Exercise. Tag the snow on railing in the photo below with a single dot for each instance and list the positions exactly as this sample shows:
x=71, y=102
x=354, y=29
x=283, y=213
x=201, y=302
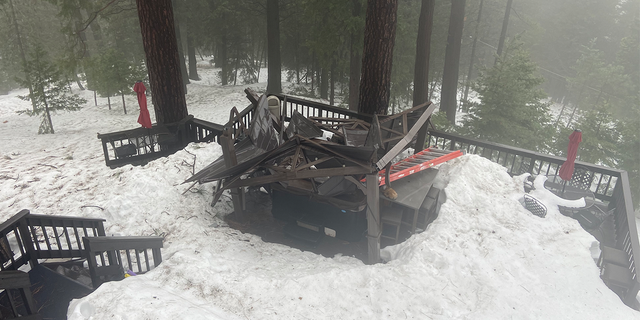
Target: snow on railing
x=609, y=185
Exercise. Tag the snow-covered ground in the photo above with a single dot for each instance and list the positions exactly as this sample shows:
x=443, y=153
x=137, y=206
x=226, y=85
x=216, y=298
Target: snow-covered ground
x=485, y=257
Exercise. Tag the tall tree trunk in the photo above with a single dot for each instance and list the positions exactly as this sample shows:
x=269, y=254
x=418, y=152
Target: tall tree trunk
x=379, y=38
x=193, y=64
x=47, y=115
x=183, y=65
x=236, y=64
x=96, y=29
x=324, y=83
x=434, y=84
x=423, y=48
x=564, y=105
x=332, y=85
x=452, y=60
x=163, y=61
x=503, y=33
x=124, y=105
x=223, y=61
x=77, y=79
x=313, y=70
x=274, y=84
x=421, y=72
x=23, y=55
x=355, y=60
x=262, y=54
x=473, y=55
x=296, y=58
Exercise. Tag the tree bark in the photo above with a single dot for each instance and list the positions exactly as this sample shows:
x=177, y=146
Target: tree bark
x=473, y=55
x=124, y=105
x=423, y=48
x=421, y=73
x=23, y=56
x=223, y=62
x=448, y=99
x=193, y=64
x=379, y=37
x=332, y=84
x=503, y=33
x=355, y=61
x=163, y=62
x=183, y=64
x=324, y=83
x=274, y=83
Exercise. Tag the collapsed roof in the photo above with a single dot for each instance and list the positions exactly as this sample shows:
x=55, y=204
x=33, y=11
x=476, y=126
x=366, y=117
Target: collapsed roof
x=324, y=158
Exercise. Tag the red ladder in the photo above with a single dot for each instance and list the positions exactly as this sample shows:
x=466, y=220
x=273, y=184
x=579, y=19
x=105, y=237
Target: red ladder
x=424, y=159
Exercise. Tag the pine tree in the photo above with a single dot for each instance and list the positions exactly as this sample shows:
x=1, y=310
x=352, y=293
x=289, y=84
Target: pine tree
x=600, y=136
x=113, y=74
x=511, y=110
x=50, y=91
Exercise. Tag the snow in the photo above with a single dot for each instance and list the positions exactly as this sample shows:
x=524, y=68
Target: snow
x=484, y=257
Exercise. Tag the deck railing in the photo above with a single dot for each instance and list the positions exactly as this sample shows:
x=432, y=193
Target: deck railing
x=61, y=237
x=518, y=161
x=28, y=237
x=25, y=238
x=609, y=185
x=140, y=145
x=307, y=108
x=14, y=252
x=109, y=258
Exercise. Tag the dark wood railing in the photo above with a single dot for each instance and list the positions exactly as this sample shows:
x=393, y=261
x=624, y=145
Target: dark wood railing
x=26, y=237
x=110, y=257
x=519, y=161
x=202, y=131
x=61, y=237
x=609, y=185
x=140, y=145
x=307, y=108
x=14, y=252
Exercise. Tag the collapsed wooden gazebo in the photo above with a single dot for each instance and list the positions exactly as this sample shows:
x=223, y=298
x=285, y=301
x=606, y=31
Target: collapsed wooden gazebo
x=339, y=161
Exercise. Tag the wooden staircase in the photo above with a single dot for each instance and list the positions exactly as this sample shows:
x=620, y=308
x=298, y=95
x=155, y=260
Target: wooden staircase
x=55, y=249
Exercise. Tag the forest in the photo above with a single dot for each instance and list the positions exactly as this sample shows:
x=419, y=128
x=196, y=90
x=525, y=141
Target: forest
x=526, y=73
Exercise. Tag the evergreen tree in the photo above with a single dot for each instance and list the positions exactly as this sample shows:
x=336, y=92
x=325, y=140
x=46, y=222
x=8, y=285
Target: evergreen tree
x=404, y=55
x=597, y=82
x=511, y=110
x=113, y=74
x=600, y=136
x=627, y=149
x=629, y=59
x=50, y=91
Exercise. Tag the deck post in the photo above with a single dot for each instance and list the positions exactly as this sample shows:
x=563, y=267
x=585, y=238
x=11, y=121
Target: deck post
x=373, y=218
